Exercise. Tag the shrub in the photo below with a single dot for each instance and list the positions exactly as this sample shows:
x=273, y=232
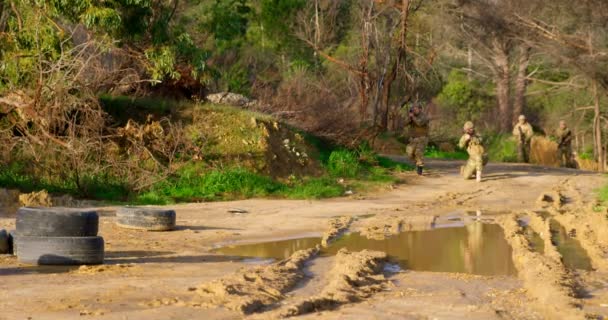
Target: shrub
x=343, y=163
x=501, y=148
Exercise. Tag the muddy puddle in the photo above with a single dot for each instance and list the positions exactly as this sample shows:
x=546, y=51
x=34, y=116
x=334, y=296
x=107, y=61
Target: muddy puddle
x=573, y=254
x=274, y=249
x=537, y=244
x=476, y=248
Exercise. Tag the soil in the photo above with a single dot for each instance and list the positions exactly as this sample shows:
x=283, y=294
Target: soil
x=178, y=275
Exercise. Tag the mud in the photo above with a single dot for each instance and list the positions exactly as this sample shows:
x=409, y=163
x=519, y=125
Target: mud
x=354, y=276
x=543, y=276
x=336, y=228
x=383, y=227
x=251, y=290
x=477, y=248
x=157, y=276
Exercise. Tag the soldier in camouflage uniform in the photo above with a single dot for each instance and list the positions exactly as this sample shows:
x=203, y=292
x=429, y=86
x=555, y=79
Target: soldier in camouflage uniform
x=472, y=142
x=418, y=124
x=523, y=135
x=564, y=147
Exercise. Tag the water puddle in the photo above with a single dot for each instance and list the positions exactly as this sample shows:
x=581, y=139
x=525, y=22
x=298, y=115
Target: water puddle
x=274, y=249
x=537, y=244
x=573, y=255
x=476, y=248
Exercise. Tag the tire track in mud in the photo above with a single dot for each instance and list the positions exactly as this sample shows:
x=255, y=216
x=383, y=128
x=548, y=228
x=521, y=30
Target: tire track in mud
x=259, y=289
x=589, y=226
x=544, y=276
x=355, y=276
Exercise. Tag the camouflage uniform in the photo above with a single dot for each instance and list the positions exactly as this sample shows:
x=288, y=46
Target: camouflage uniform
x=564, y=148
x=418, y=134
x=523, y=135
x=477, y=155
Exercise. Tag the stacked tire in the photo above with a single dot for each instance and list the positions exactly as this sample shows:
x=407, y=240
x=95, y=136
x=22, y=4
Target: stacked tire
x=57, y=236
x=146, y=218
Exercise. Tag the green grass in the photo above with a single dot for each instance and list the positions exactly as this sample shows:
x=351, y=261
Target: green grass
x=502, y=148
x=433, y=153
x=93, y=187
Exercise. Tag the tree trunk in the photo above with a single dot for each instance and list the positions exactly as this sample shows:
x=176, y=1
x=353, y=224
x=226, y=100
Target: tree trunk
x=502, y=79
x=597, y=130
x=521, y=83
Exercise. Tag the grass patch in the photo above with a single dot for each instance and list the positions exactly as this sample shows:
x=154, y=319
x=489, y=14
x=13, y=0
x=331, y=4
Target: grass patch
x=501, y=148
x=93, y=187
x=432, y=152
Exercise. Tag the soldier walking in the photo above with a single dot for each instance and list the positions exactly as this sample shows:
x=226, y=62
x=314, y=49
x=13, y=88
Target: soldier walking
x=472, y=142
x=418, y=124
x=564, y=147
x=523, y=134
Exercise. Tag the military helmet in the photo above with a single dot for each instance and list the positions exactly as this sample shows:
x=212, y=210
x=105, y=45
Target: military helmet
x=522, y=117
x=469, y=125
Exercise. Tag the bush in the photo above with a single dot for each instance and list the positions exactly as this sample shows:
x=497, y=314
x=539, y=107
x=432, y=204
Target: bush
x=434, y=153
x=315, y=188
x=192, y=184
x=501, y=148
x=343, y=163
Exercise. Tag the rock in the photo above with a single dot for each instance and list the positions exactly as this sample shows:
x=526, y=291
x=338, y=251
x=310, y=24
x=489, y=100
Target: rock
x=35, y=199
x=237, y=210
x=229, y=98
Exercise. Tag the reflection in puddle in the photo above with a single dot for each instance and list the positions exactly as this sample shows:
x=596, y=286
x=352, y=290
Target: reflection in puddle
x=274, y=249
x=476, y=248
x=573, y=255
x=537, y=244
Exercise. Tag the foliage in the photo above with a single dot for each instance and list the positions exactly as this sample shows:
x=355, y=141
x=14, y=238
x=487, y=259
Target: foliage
x=343, y=163
x=434, y=153
x=466, y=98
x=501, y=148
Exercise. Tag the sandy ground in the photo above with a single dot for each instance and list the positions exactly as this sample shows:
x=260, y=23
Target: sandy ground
x=174, y=275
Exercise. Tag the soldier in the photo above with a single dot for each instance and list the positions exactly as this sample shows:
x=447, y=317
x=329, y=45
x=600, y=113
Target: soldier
x=418, y=124
x=564, y=147
x=523, y=134
x=472, y=142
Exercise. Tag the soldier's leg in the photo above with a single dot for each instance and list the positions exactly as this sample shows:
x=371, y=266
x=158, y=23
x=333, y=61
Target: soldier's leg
x=409, y=151
x=569, y=158
x=420, y=148
x=478, y=167
x=520, y=152
x=468, y=170
x=527, y=152
x=562, y=156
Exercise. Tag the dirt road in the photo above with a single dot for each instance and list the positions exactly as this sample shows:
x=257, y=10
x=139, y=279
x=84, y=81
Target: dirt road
x=176, y=275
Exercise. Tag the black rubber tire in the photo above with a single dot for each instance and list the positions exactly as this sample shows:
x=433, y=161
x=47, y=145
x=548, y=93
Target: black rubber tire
x=57, y=222
x=60, y=250
x=150, y=219
x=11, y=242
x=4, y=242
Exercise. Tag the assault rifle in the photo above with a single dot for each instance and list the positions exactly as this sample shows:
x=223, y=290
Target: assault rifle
x=564, y=139
x=522, y=136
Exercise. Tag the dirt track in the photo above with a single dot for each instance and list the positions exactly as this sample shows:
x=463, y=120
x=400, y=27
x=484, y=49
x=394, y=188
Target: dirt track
x=168, y=275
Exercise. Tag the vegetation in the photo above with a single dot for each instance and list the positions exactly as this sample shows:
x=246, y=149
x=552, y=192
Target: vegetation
x=106, y=99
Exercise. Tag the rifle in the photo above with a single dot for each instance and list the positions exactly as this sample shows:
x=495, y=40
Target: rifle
x=522, y=136
x=564, y=139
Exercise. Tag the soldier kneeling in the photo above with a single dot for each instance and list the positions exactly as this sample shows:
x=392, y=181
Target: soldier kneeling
x=478, y=158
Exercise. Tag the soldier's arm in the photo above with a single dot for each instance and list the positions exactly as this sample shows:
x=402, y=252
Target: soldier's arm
x=463, y=141
x=516, y=130
x=421, y=120
x=529, y=132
